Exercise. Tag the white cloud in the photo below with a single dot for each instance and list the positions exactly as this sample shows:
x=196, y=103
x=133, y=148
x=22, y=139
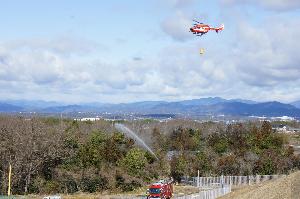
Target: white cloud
x=181, y=3
x=257, y=62
x=178, y=23
x=267, y=54
x=261, y=63
x=177, y=26
x=61, y=45
x=176, y=72
x=276, y=5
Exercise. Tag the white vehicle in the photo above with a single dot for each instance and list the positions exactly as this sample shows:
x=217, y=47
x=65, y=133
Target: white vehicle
x=52, y=197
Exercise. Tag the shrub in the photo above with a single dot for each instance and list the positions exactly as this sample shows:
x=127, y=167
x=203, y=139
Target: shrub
x=134, y=162
x=178, y=168
x=68, y=185
x=94, y=184
x=126, y=186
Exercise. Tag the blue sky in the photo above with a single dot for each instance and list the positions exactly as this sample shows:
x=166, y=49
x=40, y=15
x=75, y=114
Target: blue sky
x=124, y=51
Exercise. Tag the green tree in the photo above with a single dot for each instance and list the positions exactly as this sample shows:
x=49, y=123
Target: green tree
x=203, y=163
x=115, y=148
x=134, y=162
x=219, y=143
x=228, y=165
x=178, y=167
x=267, y=164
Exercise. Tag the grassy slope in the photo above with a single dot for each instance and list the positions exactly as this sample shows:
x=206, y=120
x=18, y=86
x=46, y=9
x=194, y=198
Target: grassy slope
x=283, y=188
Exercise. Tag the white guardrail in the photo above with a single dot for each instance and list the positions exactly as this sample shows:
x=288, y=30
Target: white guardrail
x=208, y=194
x=214, y=187
x=203, y=182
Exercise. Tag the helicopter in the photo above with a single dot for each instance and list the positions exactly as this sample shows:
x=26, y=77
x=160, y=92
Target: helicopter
x=200, y=29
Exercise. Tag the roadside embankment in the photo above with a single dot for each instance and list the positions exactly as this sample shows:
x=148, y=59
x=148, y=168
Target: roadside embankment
x=283, y=188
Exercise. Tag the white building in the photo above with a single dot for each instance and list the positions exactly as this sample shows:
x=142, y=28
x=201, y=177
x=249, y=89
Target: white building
x=92, y=119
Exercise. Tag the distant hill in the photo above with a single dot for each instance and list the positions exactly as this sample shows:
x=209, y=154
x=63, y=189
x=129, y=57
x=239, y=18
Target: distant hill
x=196, y=107
x=296, y=104
x=260, y=109
x=32, y=104
x=67, y=109
x=203, y=101
x=213, y=100
x=243, y=101
x=4, y=107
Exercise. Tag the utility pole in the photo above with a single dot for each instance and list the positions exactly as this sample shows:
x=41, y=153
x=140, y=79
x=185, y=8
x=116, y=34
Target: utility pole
x=9, y=180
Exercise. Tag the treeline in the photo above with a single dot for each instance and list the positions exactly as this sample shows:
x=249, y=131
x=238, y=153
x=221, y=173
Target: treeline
x=238, y=149
x=50, y=155
x=53, y=156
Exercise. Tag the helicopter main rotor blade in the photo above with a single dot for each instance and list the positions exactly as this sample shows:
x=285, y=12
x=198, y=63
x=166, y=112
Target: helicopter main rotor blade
x=196, y=21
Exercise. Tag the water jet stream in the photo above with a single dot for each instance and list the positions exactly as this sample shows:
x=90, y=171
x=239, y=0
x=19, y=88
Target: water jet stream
x=132, y=135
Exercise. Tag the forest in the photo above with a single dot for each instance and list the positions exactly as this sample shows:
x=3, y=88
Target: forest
x=53, y=155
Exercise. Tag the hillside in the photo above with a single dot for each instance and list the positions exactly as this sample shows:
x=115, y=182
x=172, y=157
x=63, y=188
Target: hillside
x=283, y=188
x=4, y=107
x=296, y=104
x=99, y=157
x=259, y=109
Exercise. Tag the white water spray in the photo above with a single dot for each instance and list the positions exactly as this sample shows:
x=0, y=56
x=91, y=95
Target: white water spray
x=132, y=135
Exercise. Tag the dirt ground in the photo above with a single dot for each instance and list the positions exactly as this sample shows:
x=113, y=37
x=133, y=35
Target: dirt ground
x=138, y=194
x=283, y=188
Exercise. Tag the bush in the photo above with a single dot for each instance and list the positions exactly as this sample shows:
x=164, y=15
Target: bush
x=51, y=187
x=228, y=165
x=219, y=143
x=126, y=186
x=134, y=162
x=130, y=186
x=178, y=168
x=52, y=121
x=68, y=185
x=203, y=163
x=267, y=163
x=40, y=185
x=94, y=184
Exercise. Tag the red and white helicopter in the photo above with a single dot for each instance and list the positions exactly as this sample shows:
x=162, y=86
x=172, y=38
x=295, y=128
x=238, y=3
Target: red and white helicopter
x=200, y=29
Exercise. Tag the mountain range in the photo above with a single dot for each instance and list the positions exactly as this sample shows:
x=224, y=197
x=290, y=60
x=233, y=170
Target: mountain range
x=296, y=104
x=202, y=106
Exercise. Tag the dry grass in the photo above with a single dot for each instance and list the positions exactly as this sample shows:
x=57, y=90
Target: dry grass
x=140, y=193
x=283, y=188
x=185, y=190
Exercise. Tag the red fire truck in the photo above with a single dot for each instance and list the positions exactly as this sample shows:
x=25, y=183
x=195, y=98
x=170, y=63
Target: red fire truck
x=161, y=189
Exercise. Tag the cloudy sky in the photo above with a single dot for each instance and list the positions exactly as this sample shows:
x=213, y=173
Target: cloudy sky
x=135, y=50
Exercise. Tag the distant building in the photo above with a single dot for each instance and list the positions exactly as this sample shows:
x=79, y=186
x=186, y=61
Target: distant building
x=280, y=128
x=92, y=119
x=284, y=118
